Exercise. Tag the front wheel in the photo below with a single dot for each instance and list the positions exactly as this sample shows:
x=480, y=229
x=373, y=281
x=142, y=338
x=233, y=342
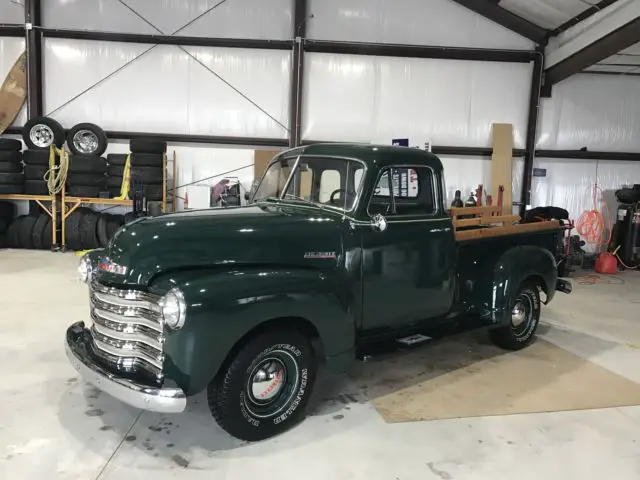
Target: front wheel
x=525, y=316
x=265, y=388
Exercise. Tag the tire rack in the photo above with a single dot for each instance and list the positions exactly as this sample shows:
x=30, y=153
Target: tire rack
x=75, y=203
x=53, y=213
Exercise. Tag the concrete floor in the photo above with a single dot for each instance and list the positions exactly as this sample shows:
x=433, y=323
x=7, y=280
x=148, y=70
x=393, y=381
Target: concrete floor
x=54, y=426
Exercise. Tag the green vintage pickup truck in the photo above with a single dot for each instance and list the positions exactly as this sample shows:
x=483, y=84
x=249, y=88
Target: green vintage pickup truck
x=341, y=247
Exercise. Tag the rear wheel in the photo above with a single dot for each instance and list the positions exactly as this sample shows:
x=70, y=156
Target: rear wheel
x=525, y=316
x=265, y=388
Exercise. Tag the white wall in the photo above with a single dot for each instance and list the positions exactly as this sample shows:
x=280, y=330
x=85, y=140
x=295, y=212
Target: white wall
x=450, y=102
x=601, y=113
x=236, y=19
x=420, y=22
x=11, y=12
x=167, y=90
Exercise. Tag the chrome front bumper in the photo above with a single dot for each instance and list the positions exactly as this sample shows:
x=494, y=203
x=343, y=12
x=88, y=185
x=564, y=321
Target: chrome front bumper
x=164, y=400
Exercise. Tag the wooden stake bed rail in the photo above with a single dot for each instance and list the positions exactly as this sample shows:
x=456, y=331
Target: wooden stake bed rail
x=491, y=223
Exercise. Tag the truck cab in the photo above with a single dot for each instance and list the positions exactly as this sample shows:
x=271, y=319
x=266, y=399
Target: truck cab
x=342, y=245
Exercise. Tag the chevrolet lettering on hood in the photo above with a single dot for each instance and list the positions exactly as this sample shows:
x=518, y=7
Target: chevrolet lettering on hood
x=320, y=255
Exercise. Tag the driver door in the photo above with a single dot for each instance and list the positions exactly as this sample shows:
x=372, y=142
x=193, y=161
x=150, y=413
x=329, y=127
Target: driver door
x=407, y=269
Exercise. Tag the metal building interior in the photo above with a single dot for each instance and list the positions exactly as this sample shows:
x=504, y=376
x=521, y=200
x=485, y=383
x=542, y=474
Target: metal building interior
x=222, y=87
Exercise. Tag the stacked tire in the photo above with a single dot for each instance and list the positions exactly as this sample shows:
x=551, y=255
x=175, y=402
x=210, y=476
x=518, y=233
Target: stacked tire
x=7, y=213
x=30, y=231
x=36, y=166
x=147, y=168
x=86, y=176
x=11, y=176
x=87, y=229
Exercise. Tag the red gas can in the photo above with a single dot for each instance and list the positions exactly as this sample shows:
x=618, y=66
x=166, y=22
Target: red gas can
x=606, y=263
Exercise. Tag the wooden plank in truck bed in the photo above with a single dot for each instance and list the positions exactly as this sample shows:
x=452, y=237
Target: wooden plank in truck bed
x=478, y=233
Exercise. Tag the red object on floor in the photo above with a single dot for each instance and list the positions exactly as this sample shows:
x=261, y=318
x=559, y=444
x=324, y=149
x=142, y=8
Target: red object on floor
x=606, y=263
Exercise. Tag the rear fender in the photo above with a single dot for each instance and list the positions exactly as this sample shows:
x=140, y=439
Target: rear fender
x=224, y=306
x=514, y=267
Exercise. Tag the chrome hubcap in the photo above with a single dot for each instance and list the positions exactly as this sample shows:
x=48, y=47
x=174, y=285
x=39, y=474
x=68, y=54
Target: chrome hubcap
x=41, y=136
x=85, y=141
x=267, y=381
x=518, y=314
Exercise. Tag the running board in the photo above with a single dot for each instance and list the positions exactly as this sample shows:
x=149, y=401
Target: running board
x=413, y=339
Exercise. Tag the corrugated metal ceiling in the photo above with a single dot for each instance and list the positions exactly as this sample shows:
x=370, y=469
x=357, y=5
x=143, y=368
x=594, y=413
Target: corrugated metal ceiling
x=626, y=61
x=551, y=14
x=548, y=14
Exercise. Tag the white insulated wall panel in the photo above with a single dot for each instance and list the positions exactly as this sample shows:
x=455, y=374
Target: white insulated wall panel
x=465, y=173
x=166, y=90
x=599, y=112
x=569, y=184
x=371, y=99
x=11, y=12
x=420, y=22
x=10, y=50
x=236, y=18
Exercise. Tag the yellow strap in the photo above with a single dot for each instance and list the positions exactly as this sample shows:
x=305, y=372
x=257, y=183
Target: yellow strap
x=124, y=188
x=56, y=176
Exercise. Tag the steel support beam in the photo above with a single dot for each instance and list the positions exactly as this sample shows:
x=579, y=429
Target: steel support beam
x=588, y=155
x=211, y=139
x=505, y=18
x=11, y=30
x=608, y=45
x=34, y=58
x=419, y=51
x=297, y=71
x=185, y=138
x=167, y=39
x=532, y=129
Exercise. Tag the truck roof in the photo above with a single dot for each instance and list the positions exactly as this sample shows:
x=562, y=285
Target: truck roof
x=378, y=155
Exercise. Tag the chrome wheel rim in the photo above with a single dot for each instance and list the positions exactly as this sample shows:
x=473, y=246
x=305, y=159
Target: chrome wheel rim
x=271, y=385
x=522, y=314
x=268, y=381
x=518, y=314
x=41, y=135
x=85, y=141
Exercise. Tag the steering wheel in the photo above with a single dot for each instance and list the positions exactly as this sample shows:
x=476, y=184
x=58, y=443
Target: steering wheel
x=347, y=194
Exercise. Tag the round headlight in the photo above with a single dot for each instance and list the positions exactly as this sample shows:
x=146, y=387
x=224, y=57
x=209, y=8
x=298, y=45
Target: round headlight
x=174, y=309
x=84, y=269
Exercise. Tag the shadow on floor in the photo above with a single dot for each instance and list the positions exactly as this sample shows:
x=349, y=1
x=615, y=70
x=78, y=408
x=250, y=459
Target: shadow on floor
x=465, y=375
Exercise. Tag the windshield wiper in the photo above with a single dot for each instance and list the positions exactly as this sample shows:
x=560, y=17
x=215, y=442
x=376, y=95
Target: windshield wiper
x=308, y=202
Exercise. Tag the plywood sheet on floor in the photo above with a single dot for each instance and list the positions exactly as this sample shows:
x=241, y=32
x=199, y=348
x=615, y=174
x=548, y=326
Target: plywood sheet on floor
x=466, y=377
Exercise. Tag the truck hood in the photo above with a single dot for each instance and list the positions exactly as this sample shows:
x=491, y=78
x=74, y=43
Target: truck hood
x=261, y=234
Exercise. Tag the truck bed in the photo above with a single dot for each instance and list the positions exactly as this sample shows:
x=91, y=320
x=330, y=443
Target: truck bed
x=471, y=223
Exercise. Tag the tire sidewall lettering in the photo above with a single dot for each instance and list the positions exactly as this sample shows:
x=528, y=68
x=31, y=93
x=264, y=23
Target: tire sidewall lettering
x=533, y=321
x=297, y=397
x=253, y=421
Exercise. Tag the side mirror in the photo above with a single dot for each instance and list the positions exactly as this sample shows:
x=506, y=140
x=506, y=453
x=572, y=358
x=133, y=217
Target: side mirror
x=379, y=223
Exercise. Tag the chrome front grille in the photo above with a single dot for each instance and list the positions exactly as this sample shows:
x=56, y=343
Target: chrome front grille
x=127, y=330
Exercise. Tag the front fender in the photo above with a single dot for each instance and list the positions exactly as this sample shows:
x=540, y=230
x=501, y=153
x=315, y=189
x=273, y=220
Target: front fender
x=223, y=306
x=514, y=267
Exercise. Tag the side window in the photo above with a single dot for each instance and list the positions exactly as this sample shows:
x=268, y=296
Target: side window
x=329, y=182
x=413, y=192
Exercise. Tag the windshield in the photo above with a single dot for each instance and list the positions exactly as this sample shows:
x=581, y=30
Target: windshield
x=324, y=181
